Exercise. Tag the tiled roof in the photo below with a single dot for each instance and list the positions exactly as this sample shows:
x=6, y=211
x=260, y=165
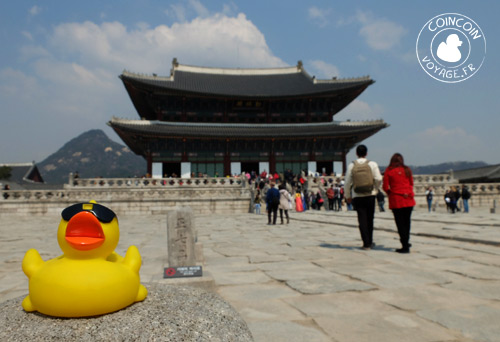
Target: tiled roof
x=22, y=175
x=490, y=173
x=219, y=130
x=275, y=82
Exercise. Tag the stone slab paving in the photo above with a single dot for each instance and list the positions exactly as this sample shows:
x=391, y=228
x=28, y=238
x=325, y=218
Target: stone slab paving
x=310, y=281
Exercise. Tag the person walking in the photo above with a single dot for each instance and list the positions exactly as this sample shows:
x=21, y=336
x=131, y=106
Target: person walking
x=381, y=201
x=429, y=195
x=453, y=196
x=465, y=198
x=361, y=185
x=299, y=205
x=272, y=202
x=330, y=193
x=319, y=200
x=447, y=200
x=285, y=202
x=257, y=201
x=398, y=185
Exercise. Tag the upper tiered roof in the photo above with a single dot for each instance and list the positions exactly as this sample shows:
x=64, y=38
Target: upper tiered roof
x=239, y=130
x=244, y=83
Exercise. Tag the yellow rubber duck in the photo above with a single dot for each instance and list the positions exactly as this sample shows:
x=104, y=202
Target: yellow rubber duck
x=89, y=279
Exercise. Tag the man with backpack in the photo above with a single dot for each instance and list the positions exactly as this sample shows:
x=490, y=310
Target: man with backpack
x=272, y=202
x=362, y=182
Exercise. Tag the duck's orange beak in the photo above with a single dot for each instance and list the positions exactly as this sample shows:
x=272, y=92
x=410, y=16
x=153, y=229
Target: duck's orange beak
x=84, y=232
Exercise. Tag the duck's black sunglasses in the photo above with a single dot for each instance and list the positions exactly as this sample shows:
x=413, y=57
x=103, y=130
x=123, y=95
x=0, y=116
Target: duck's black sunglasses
x=102, y=213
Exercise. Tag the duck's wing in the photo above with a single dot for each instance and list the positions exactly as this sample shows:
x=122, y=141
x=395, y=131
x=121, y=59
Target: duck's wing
x=133, y=259
x=32, y=261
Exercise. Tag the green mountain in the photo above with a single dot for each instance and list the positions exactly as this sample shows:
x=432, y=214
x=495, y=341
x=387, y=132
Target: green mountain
x=446, y=167
x=91, y=154
x=443, y=167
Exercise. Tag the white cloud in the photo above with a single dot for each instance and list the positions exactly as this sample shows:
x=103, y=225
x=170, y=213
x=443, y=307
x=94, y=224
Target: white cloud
x=445, y=137
x=34, y=10
x=177, y=11
x=182, y=12
x=14, y=83
x=319, y=15
x=379, y=33
x=73, y=84
x=201, y=11
x=359, y=110
x=440, y=143
x=27, y=35
x=217, y=40
x=229, y=9
x=324, y=70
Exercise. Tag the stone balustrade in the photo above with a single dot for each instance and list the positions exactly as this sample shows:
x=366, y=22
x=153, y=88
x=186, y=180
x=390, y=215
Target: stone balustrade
x=150, y=183
x=135, y=196
x=204, y=195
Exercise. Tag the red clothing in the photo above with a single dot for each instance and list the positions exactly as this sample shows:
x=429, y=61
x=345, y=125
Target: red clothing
x=399, y=188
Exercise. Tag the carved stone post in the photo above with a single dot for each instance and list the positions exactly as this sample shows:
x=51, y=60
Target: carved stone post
x=181, y=238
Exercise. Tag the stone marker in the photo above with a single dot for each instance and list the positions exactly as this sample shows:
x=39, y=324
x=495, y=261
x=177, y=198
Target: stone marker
x=181, y=238
x=169, y=313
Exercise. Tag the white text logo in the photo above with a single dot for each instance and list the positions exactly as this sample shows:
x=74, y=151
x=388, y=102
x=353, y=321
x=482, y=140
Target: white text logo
x=451, y=47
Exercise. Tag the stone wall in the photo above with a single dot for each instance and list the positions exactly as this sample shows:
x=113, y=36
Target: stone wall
x=135, y=196
x=203, y=195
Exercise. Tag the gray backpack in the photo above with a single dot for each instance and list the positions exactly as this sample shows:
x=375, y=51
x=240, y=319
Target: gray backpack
x=362, y=178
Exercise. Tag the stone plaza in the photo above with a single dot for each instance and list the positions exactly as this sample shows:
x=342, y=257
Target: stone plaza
x=309, y=280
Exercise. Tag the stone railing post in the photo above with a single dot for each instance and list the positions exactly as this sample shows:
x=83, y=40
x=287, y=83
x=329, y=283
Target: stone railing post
x=71, y=179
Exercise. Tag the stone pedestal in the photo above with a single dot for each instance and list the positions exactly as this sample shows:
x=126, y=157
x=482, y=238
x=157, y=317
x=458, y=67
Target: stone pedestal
x=169, y=313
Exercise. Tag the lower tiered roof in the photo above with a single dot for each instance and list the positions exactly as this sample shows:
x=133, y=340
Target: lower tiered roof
x=131, y=130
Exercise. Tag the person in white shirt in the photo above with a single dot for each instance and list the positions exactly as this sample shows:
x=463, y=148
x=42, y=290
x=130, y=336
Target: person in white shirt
x=363, y=201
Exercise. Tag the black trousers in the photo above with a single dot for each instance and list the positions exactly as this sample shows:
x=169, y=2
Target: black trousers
x=274, y=210
x=330, y=203
x=286, y=215
x=365, y=207
x=402, y=216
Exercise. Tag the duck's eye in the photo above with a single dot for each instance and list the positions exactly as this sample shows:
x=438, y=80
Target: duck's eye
x=102, y=213
x=71, y=211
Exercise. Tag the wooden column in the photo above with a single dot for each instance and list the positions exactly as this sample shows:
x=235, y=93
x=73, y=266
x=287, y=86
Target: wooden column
x=149, y=162
x=184, y=115
x=225, y=111
x=184, y=157
x=344, y=162
x=272, y=159
x=227, y=160
x=308, y=114
x=268, y=112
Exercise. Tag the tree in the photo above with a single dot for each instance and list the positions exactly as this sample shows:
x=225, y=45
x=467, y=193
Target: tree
x=5, y=172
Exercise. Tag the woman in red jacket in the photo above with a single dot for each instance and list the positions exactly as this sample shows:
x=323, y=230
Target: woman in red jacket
x=398, y=185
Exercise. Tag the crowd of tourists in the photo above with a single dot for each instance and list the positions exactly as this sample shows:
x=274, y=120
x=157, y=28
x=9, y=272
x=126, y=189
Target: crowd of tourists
x=296, y=190
x=361, y=190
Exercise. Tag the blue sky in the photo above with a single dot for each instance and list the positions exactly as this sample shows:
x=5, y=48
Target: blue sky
x=60, y=63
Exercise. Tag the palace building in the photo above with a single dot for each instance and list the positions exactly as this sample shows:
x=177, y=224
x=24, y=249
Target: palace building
x=221, y=121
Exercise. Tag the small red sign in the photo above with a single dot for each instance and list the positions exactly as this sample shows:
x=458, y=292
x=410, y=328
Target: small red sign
x=170, y=272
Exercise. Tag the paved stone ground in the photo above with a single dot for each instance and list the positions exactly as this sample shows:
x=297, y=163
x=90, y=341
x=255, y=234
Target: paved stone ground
x=310, y=281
